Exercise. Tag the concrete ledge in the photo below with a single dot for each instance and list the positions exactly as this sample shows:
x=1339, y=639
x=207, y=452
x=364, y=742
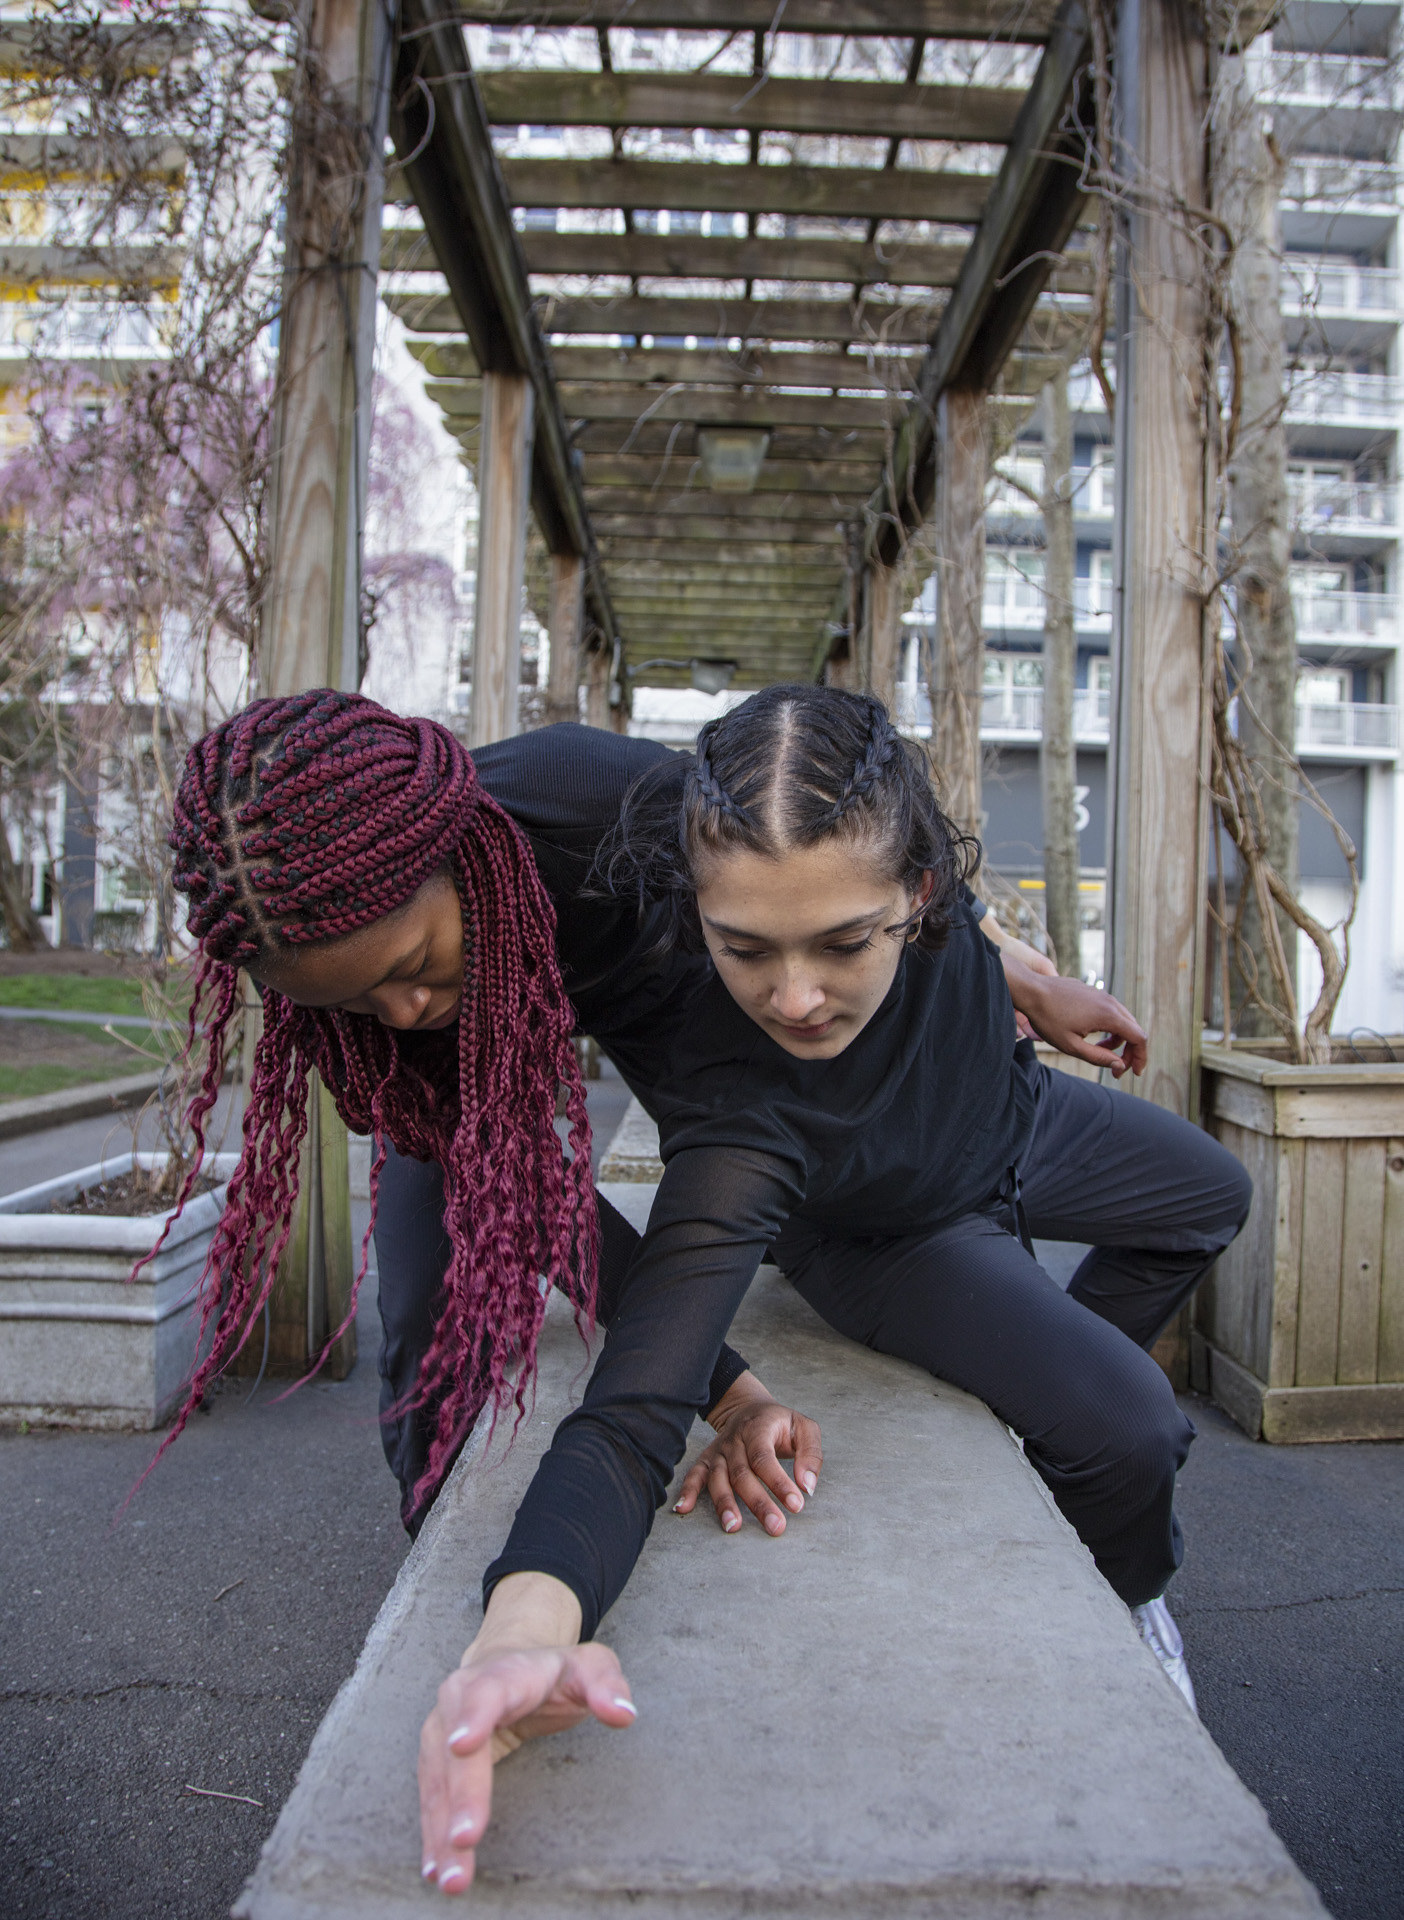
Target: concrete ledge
x=922, y=1700
x=632, y=1154
x=76, y=1103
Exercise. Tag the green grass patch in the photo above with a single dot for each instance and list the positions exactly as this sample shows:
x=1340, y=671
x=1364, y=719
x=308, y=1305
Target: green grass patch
x=25, y=1083
x=72, y=993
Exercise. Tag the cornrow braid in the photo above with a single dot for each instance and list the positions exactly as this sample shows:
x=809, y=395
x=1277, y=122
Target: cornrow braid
x=868, y=769
x=302, y=820
x=792, y=766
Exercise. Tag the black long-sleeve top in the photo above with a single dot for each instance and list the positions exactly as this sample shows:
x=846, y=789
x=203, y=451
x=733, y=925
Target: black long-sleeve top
x=916, y=1122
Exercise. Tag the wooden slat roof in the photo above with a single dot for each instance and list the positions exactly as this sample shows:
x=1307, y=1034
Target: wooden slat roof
x=791, y=248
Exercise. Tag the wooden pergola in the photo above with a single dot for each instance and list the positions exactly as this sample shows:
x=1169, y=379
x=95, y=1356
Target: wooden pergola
x=731, y=435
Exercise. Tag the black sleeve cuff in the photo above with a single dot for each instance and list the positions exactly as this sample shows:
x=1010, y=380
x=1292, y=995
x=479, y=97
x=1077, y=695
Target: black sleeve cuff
x=728, y=1370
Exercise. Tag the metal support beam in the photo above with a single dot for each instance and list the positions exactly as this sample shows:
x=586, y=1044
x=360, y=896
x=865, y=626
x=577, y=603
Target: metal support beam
x=503, y=487
x=1159, y=740
x=563, y=636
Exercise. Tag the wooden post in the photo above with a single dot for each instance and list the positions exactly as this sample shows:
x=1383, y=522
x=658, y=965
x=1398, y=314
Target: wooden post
x=563, y=636
x=958, y=681
x=312, y=635
x=1160, y=740
x=883, y=615
x=597, y=664
x=504, y=483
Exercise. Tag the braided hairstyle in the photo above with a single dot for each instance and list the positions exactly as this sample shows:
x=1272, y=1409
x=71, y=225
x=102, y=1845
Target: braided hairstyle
x=792, y=766
x=301, y=820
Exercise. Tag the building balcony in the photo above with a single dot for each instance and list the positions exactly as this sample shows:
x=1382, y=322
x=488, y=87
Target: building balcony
x=78, y=330
x=1355, y=508
x=1015, y=714
x=1333, y=80
x=1346, y=619
x=1336, y=398
x=1332, y=286
x=1360, y=185
x=1348, y=730
x=1017, y=606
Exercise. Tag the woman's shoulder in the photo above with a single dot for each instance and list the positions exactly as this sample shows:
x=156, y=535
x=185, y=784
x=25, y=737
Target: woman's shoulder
x=567, y=775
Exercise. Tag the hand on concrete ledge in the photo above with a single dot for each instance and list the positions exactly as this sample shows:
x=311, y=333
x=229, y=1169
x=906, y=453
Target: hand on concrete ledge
x=1066, y=1013
x=754, y=1433
x=523, y=1676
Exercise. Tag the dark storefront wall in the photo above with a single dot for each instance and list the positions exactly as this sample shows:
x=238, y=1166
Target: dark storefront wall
x=1013, y=830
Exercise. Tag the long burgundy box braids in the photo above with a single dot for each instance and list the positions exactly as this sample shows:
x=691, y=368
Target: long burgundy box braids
x=306, y=818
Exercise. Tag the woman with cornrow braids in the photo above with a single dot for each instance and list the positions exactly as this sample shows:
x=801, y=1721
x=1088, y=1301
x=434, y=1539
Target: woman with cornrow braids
x=427, y=931
x=845, y=1086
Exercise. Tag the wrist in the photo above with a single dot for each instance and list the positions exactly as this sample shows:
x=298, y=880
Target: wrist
x=745, y=1390
x=527, y=1610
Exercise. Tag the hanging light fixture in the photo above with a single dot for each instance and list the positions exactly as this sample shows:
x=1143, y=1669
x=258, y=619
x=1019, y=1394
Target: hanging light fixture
x=732, y=457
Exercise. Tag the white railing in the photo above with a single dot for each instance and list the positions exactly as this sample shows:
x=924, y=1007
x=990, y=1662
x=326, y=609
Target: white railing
x=1348, y=724
x=1341, y=181
x=1017, y=606
x=1324, y=505
x=1370, y=399
x=78, y=330
x=1324, y=285
x=1019, y=710
x=1333, y=79
x=1351, y=615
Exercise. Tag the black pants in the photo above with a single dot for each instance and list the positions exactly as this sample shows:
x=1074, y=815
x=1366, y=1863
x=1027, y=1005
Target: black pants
x=1157, y=1199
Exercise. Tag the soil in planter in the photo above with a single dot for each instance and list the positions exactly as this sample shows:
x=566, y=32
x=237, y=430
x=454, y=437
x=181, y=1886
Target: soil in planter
x=127, y=1193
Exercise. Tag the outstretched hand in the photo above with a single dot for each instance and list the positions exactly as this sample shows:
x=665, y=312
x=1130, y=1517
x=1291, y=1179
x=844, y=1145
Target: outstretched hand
x=741, y=1467
x=1067, y=1013
x=500, y=1696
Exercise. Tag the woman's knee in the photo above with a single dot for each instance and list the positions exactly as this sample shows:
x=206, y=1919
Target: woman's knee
x=1231, y=1191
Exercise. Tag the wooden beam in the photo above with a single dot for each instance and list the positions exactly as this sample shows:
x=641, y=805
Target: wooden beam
x=937, y=19
x=1031, y=212
x=724, y=102
x=1158, y=811
x=764, y=407
x=656, y=577
x=638, y=526
x=640, y=547
x=563, y=634
x=776, y=476
x=860, y=193
x=880, y=650
x=956, y=675
x=448, y=165
x=678, y=440
x=698, y=366
x=504, y=478
x=717, y=593
x=690, y=256
x=667, y=505
x=880, y=321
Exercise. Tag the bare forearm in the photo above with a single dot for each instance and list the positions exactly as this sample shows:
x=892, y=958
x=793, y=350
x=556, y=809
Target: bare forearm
x=527, y=1610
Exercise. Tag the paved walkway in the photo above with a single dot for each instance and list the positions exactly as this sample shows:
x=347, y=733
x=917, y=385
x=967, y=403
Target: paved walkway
x=123, y=1677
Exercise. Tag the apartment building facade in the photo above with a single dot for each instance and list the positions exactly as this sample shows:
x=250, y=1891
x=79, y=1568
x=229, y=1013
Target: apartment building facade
x=1332, y=75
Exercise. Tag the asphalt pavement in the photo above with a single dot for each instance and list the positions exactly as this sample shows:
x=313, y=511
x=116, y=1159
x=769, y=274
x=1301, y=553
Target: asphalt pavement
x=194, y=1639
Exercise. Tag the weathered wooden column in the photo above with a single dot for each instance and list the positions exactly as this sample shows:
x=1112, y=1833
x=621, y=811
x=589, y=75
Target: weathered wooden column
x=958, y=671
x=563, y=636
x=597, y=670
x=504, y=484
x=312, y=634
x=882, y=614
x=1159, y=741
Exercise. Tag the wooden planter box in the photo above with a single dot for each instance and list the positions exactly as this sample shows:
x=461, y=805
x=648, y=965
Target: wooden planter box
x=1299, y=1330
x=82, y=1344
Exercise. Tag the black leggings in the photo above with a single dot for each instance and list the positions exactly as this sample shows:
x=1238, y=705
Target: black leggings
x=1158, y=1200
x=1069, y=1372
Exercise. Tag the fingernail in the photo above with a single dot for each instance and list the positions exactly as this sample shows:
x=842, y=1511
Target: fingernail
x=460, y=1733
x=427, y=1871
x=774, y=1524
x=794, y=1503
x=730, y=1522
x=463, y=1829
x=677, y=1506
x=452, y=1880
x=625, y=1706
x=808, y=1481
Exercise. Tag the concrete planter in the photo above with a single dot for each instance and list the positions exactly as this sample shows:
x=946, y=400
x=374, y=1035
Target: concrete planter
x=80, y=1344
x=1299, y=1330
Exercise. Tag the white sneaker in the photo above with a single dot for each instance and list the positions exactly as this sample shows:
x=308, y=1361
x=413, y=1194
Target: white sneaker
x=1162, y=1636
